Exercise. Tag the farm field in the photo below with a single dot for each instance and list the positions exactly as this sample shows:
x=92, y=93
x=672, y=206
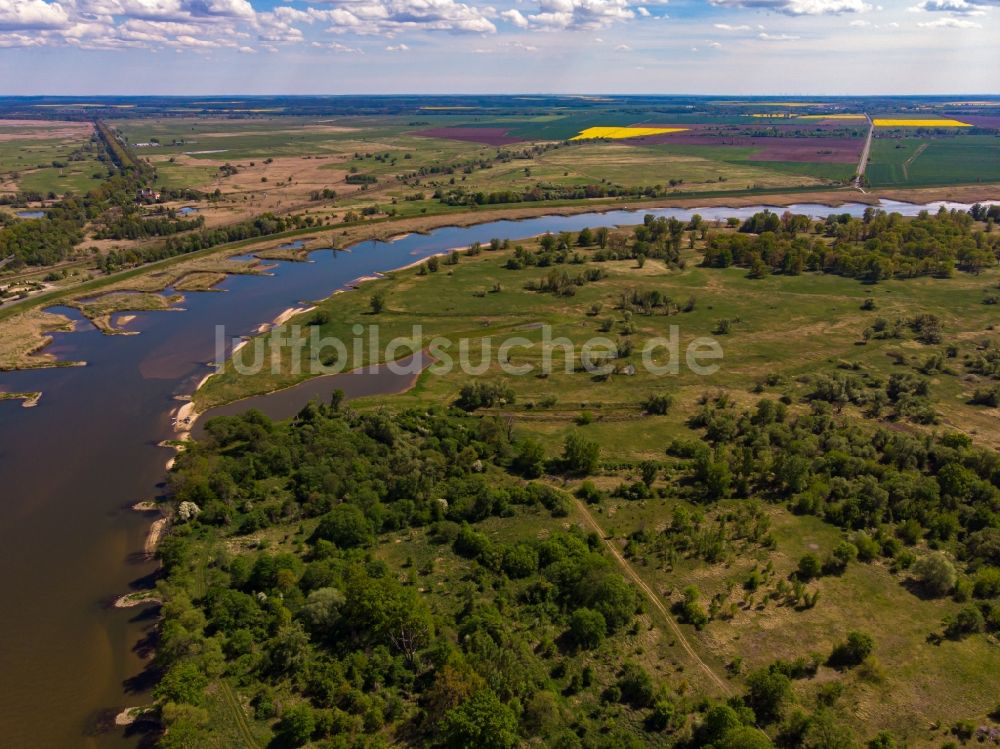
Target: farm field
x=925, y=161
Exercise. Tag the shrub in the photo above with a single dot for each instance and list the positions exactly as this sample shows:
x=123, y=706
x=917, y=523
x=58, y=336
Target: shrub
x=587, y=628
x=767, y=693
x=852, y=652
x=657, y=404
x=481, y=721
x=809, y=567
x=637, y=688
x=967, y=621
x=935, y=573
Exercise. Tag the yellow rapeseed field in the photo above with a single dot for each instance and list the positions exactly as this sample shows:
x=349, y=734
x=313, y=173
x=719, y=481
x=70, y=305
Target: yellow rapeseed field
x=880, y=122
x=618, y=133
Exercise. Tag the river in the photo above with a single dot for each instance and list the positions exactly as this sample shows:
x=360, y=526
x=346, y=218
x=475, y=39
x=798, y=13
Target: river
x=71, y=468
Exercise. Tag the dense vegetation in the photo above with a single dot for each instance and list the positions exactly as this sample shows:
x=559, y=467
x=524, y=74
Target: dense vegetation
x=877, y=246
x=278, y=578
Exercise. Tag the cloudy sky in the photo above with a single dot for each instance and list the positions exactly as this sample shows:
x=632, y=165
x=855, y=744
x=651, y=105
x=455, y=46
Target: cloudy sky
x=80, y=47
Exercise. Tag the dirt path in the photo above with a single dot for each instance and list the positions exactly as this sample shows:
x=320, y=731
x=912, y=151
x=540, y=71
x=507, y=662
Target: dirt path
x=863, y=162
x=906, y=164
x=239, y=717
x=654, y=599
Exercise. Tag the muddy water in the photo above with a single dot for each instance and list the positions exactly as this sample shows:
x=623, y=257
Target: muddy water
x=71, y=467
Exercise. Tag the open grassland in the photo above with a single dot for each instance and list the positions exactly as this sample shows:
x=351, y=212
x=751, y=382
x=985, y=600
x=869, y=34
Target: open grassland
x=782, y=326
x=916, y=689
x=44, y=157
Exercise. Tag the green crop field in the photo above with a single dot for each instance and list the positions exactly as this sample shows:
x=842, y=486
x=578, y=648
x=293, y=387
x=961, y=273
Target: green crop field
x=916, y=162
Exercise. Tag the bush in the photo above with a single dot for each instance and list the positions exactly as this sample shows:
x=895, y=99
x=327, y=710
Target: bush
x=637, y=688
x=967, y=621
x=657, y=404
x=483, y=395
x=852, y=652
x=346, y=526
x=297, y=725
x=935, y=573
x=809, y=568
x=482, y=721
x=692, y=612
x=587, y=628
x=767, y=693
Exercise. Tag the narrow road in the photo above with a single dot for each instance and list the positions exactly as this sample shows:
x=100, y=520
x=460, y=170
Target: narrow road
x=654, y=599
x=863, y=163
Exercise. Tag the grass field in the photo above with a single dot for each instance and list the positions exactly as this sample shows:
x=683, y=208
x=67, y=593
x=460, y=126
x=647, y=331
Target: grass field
x=48, y=158
x=784, y=325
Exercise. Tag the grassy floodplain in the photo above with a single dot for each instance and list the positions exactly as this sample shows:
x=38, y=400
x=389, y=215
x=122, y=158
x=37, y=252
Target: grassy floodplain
x=785, y=335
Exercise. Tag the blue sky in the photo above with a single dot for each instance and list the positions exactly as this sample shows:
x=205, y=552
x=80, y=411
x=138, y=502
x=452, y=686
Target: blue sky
x=78, y=47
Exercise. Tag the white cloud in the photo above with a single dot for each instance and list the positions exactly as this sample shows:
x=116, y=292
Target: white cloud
x=776, y=37
x=338, y=47
x=799, y=7
x=397, y=48
x=390, y=17
x=580, y=14
x=730, y=27
x=27, y=15
x=958, y=7
x=515, y=17
x=950, y=23
x=623, y=48
x=643, y=12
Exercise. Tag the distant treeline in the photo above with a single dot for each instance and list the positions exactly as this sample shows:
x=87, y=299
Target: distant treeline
x=262, y=226
x=875, y=247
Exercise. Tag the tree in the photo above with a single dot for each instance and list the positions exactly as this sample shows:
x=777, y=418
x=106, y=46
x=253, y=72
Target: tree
x=346, y=526
x=809, y=567
x=745, y=737
x=636, y=685
x=853, y=652
x=663, y=714
x=184, y=683
x=377, y=302
x=935, y=573
x=321, y=611
x=297, y=725
x=580, y=455
x=481, y=722
x=530, y=458
x=969, y=620
x=767, y=693
x=719, y=720
x=649, y=470
x=587, y=628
